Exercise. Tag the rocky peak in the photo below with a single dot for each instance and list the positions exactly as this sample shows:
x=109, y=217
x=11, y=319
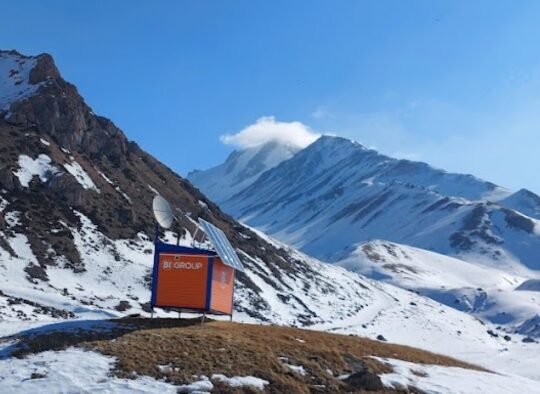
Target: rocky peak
x=55, y=108
x=44, y=70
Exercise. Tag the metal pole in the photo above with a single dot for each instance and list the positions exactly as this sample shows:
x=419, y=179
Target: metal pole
x=155, y=268
x=194, y=236
x=233, y=288
x=156, y=233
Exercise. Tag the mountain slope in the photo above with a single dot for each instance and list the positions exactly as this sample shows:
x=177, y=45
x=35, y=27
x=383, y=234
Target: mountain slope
x=240, y=170
x=76, y=215
x=524, y=201
x=336, y=193
x=487, y=293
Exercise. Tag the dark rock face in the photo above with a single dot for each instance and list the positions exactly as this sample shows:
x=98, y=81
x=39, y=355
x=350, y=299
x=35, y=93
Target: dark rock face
x=44, y=70
x=518, y=222
x=36, y=272
x=59, y=110
x=9, y=181
x=362, y=379
x=68, y=189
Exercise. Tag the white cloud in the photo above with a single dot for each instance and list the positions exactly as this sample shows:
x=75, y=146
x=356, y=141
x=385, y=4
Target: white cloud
x=268, y=129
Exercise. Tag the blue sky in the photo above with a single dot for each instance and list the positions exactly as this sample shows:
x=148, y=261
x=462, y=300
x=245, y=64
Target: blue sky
x=453, y=83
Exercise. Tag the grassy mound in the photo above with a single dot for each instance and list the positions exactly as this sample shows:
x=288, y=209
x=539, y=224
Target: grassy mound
x=178, y=350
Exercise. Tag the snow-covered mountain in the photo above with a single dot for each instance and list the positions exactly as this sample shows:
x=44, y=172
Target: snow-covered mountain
x=240, y=170
x=472, y=242
x=525, y=202
x=335, y=193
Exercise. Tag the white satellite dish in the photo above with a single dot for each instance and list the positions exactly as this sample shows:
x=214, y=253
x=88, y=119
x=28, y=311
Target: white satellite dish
x=162, y=212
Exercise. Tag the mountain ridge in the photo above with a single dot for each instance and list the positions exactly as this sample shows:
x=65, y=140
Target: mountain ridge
x=337, y=183
x=240, y=169
x=336, y=196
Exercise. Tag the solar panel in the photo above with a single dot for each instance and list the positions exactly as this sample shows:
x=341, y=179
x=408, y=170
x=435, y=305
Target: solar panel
x=222, y=245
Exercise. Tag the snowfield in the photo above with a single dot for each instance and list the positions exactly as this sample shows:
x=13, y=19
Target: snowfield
x=240, y=170
x=71, y=371
x=81, y=176
x=435, y=379
x=486, y=292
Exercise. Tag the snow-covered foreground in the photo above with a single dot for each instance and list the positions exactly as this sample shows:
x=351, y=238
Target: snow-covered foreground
x=76, y=370
x=71, y=371
x=437, y=379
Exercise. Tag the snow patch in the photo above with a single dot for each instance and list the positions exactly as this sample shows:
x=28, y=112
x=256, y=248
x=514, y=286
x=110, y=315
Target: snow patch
x=439, y=379
x=202, y=386
x=3, y=204
x=126, y=197
x=242, y=381
x=28, y=168
x=153, y=190
x=299, y=369
x=81, y=176
x=71, y=371
x=106, y=178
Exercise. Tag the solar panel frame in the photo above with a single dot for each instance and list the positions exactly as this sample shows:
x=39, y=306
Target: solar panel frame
x=222, y=245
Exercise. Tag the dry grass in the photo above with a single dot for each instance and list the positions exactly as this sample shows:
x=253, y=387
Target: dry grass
x=234, y=349
x=239, y=349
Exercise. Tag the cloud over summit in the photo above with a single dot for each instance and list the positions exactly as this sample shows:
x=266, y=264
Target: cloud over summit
x=267, y=129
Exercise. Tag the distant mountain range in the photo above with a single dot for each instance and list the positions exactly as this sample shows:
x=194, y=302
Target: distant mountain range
x=336, y=199
x=336, y=193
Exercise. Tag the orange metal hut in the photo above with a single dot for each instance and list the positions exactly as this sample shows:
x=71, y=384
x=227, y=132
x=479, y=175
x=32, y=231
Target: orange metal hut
x=195, y=279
